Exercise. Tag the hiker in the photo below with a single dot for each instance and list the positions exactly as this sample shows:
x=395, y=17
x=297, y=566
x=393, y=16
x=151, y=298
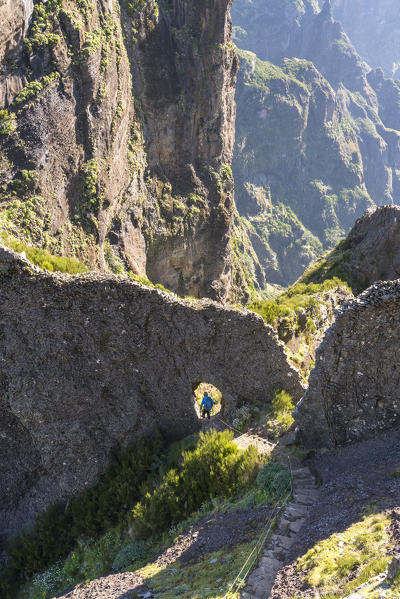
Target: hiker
x=206, y=405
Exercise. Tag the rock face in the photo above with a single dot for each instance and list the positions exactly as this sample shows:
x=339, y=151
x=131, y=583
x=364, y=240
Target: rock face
x=117, y=136
x=317, y=133
x=377, y=35
x=14, y=17
x=370, y=253
x=353, y=392
x=90, y=363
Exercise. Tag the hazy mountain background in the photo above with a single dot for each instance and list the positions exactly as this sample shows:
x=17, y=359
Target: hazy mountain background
x=317, y=129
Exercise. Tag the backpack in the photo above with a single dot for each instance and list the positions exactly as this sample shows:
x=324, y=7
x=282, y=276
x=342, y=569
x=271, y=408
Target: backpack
x=208, y=404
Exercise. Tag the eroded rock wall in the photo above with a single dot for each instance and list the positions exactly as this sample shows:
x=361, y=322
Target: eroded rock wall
x=118, y=136
x=353, y=391
x=88, y=364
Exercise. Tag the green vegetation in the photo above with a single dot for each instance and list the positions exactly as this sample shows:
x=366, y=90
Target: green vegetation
x=113, y=262
x=281, y=412
x=132, y=7
x=41, y=34
x=89, y=205
x=215, y=467
x=299, y=296
x=56, y=532
x=42, y=258
x=341, y=563
x=90, y=47
x=211, y=473
x=144, y=280
x=7, y=123
x=25, y=183
x=33, y=88
x=334, y=265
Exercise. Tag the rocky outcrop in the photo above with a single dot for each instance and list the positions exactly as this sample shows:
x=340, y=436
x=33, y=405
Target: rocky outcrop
x=118, y=137
x=88, y=364
x=370, y=253
x=14, y=17
x=353, y=392
x=317, y=133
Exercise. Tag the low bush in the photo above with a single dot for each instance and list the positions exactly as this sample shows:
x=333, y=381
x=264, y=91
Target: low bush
x=216, y=467
x=42, y=258
x=7, y=123
x=275, y=481
x=56, y=532
x=282, y=408
x=131, y=553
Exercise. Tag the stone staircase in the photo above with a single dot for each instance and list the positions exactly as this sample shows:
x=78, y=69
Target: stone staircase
x=305, y=493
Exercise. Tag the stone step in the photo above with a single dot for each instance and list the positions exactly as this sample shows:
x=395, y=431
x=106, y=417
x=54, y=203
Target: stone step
x=273, y=553
x=284, y=542
x=284, y=525
x=263, y=589
x=301, y=472
x=297, y=525
x=257, y=575
x=293, y=512
x=306, y=498
x=270, y=564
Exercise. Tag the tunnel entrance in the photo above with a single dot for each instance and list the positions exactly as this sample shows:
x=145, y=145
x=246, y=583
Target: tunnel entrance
x=199, y=389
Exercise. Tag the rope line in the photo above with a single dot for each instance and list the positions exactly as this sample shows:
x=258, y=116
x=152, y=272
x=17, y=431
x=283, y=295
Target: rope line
x=241, y=577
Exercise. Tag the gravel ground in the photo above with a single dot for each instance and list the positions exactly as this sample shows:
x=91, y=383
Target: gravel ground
x=353, y=479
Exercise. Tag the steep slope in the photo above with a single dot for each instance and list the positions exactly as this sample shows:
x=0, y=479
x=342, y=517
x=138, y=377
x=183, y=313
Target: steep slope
x=316, y=133
x=377, y=35
x=117, y=135
x=352, y=393
x=370, y=253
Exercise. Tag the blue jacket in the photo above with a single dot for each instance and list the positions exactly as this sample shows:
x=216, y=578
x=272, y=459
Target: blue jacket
x=207, y=403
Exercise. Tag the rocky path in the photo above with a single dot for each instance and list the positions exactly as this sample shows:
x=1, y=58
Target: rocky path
x=262, y=445
x=305, y=493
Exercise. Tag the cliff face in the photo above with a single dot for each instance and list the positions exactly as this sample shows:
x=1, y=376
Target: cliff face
x=317, y=133
x=15, y=16
x=117, y=136
x=377, y=35
x=90, y=363
x=353, y=391
x=298, y=170
x=371, y=252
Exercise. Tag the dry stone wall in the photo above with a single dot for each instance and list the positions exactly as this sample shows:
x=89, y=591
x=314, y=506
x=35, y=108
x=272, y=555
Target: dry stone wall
x=90, y=363
x=354, y=391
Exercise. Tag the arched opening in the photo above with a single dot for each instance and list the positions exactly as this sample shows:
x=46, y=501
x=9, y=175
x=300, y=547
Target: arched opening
x=201, y=390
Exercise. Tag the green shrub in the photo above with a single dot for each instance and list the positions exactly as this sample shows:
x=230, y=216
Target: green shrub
x=215, y=467
x=132, y=7
x=275, y=481
x=90, y=559
x=33, y=88
x=282, y=408
x=7, y=123
x=55, y=532
x=134, y=551
x=42, y=258
x=40, y=32
x=25, y=183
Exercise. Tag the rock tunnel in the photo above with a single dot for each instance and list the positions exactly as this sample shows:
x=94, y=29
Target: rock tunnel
x=90, y=363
